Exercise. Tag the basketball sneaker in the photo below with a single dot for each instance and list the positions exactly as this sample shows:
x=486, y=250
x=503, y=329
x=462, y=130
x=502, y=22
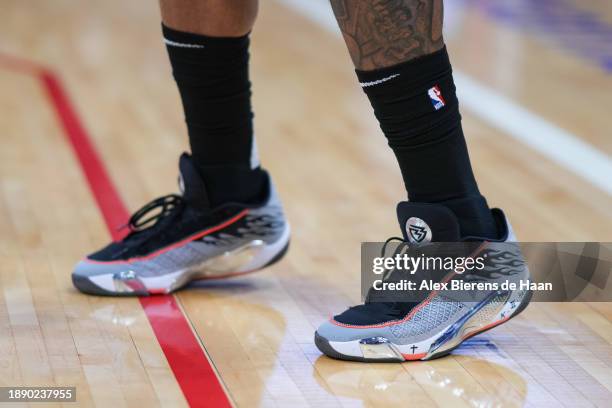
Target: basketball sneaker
x=176, y=239
x=440, y=320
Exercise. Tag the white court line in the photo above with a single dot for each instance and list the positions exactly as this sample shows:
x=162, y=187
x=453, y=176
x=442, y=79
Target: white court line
x=551, y=141
x=512, y=119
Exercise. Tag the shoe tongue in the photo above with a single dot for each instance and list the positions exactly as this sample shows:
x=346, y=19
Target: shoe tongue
x=421, y=223
x=191, y=185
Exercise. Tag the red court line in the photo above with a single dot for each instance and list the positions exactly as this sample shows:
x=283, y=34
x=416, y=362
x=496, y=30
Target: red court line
x=186, y=357
x=110, y=204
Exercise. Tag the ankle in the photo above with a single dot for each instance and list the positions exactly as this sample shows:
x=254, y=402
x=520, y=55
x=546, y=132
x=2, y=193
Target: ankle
x=474, y=215
x=233, y=183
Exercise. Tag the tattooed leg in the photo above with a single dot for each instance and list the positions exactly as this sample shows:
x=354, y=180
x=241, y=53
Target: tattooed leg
x=404, y=69
x=381, y=33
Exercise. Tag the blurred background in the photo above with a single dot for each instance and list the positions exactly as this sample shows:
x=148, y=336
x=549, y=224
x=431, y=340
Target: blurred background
x=535, y=87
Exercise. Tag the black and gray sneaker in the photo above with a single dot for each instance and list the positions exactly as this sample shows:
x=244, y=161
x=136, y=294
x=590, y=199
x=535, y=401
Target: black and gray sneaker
x=176, y=239
x=440, y=320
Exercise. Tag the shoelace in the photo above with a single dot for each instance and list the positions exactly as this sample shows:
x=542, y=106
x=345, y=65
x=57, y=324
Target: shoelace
x=397, y=309
x=403, y=244
x=167, y=205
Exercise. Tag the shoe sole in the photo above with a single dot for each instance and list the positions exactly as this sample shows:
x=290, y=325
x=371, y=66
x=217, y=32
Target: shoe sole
x=172, y=281
x=392, y=349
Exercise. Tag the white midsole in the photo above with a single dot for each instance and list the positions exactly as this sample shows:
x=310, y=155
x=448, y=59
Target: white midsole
x=353, y=348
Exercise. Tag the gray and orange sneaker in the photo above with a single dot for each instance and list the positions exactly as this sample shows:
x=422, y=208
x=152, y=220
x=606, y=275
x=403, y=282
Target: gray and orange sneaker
x=440, y=320
x=176, y=239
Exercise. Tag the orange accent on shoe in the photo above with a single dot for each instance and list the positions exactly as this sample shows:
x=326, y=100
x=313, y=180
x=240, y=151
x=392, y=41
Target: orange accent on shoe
x=416, y=308
x=412, y=357
x=179, y=244
x=157, y=291
x=487, y=327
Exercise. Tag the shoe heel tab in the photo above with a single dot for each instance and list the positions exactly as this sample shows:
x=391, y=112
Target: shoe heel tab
x=506, y=232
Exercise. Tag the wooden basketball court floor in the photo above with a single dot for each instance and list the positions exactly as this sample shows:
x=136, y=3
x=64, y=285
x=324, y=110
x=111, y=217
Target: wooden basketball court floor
x=339, y=183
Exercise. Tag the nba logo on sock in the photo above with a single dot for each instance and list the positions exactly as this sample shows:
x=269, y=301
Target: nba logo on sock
x=436, y=97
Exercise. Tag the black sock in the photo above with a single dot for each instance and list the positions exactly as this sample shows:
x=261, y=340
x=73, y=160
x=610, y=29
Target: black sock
x=212, y=74
x=418, y=111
